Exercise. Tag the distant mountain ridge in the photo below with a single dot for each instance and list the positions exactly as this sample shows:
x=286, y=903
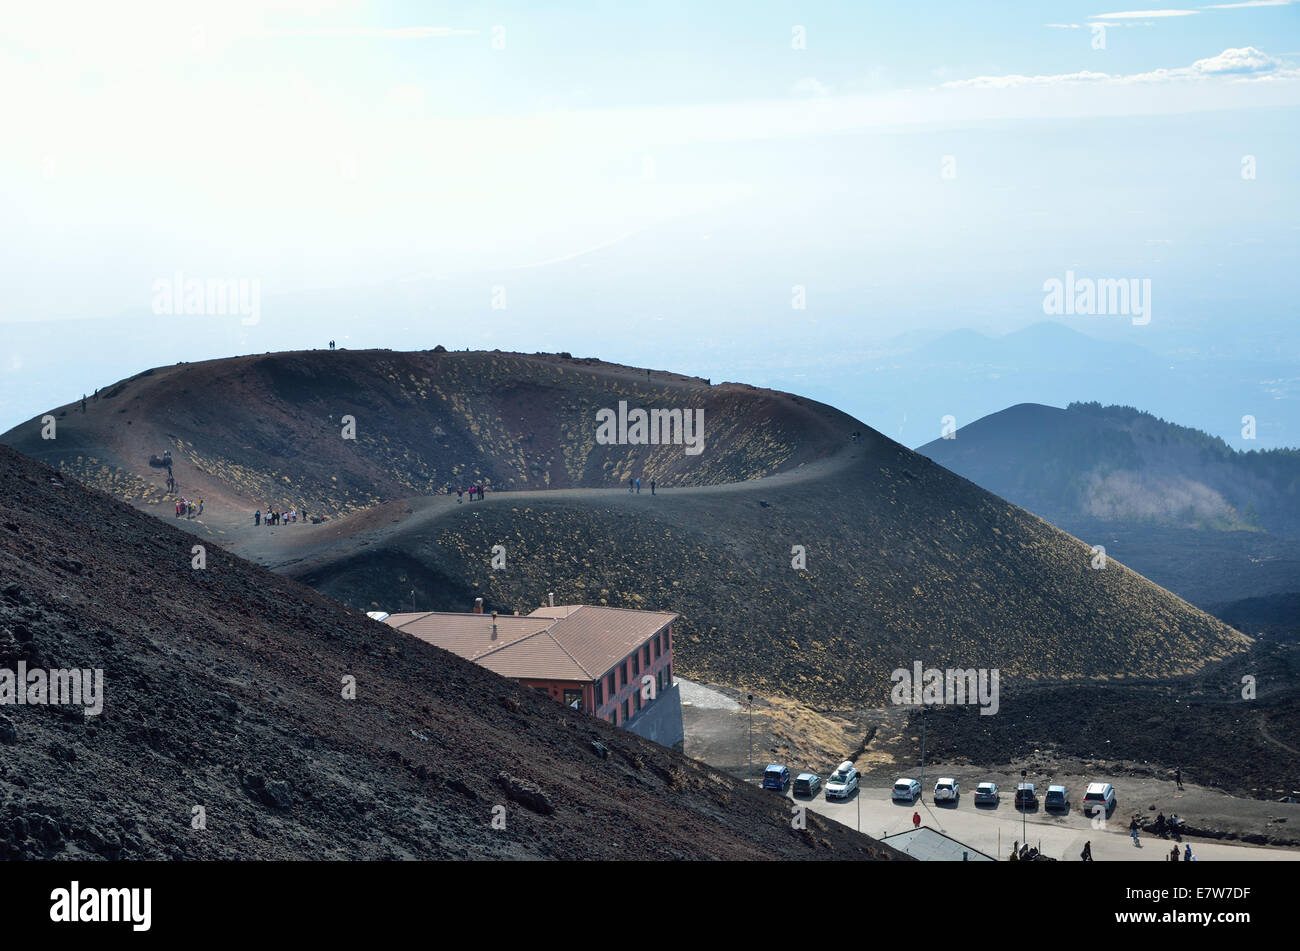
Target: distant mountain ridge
x=1118, y=463
x=1212, y=524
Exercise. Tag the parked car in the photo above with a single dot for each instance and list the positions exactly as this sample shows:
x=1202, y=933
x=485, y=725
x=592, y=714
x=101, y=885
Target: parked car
x=776, y=777
x=987, y=793
x=1058, y=797
x=947, y=790
x=843, y=781
x=807, y=784
x=1100, y=798
x=1026, y=796
x=908, y=789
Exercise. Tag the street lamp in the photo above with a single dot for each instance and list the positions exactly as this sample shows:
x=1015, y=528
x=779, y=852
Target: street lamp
x=750, y=720
x=1024, y=810
x=923, y=754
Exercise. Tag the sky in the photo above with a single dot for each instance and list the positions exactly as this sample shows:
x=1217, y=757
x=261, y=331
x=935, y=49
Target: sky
x=801, y=195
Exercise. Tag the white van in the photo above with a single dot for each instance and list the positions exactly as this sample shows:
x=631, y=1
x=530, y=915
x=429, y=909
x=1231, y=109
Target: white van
x=1099, y=799
x=843, y=781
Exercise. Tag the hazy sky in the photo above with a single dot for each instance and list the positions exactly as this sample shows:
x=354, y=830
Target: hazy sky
x=644, y=183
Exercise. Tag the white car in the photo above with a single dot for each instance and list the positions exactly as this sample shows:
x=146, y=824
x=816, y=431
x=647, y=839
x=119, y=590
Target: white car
x=987, y=793
x=947, y=789
x=842, y=782
x=1099, y=799
x=908, y=789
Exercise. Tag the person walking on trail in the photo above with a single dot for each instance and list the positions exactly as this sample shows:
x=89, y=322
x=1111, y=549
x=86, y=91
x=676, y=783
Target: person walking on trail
x=1173, y=854
x=630, y=486
x=638, y=486
x=1086, y=854
x=460, y=496
x=257, y=517
x=1187, y=856
x=1133, y=831
x=652, y=486
x=200, y=506
x=1178, y=777
x=916, y=820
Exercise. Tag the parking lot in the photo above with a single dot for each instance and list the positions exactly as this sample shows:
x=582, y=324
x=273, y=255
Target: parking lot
x=993, y=829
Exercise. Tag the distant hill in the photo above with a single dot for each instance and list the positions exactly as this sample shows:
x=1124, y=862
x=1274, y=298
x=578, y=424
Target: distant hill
x=904, y=561
x=223, y=689
x=1209, y=522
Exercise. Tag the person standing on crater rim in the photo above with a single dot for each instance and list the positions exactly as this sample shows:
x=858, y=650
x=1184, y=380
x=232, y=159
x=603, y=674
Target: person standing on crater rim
x=630, y=485
x=1178, y=777
x=652, y=486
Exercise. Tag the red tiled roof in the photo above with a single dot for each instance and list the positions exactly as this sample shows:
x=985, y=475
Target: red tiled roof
x=578, y=642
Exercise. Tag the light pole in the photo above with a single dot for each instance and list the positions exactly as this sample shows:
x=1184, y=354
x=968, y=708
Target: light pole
x=750, y=720
x=923, y=754
x=1024, y=810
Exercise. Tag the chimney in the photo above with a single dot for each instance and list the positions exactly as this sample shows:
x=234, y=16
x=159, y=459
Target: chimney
x=494, y=625
x=550, y=599
x=478, y=605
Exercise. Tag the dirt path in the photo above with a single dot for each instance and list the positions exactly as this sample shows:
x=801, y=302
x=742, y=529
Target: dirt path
x=302, y=545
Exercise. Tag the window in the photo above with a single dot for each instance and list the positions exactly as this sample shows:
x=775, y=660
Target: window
x=599, y=692
x=636, y=701
x=613, y=717
x=611, y=683
x=636, y=664
x=658, y=647
x=626, y=709
x=622, y=675
x=646, y=651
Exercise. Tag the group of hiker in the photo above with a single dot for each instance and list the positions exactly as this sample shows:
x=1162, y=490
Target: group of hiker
x=474, y=490
x=277, y=518
x=634, y=485
x=188, y=508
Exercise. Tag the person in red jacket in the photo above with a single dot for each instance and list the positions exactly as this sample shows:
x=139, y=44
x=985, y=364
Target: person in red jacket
x=916, y=820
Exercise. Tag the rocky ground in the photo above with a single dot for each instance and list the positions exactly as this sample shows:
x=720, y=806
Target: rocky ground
x=226, y=732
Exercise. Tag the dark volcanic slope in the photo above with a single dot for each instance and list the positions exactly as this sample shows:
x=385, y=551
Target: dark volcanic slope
x=223, y=690
x=905, y=561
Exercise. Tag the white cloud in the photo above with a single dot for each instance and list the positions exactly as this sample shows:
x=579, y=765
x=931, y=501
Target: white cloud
x=1244, y=63
x=1142, y=14
x=811, y=86
x=1248, y=3
x=393, y=33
